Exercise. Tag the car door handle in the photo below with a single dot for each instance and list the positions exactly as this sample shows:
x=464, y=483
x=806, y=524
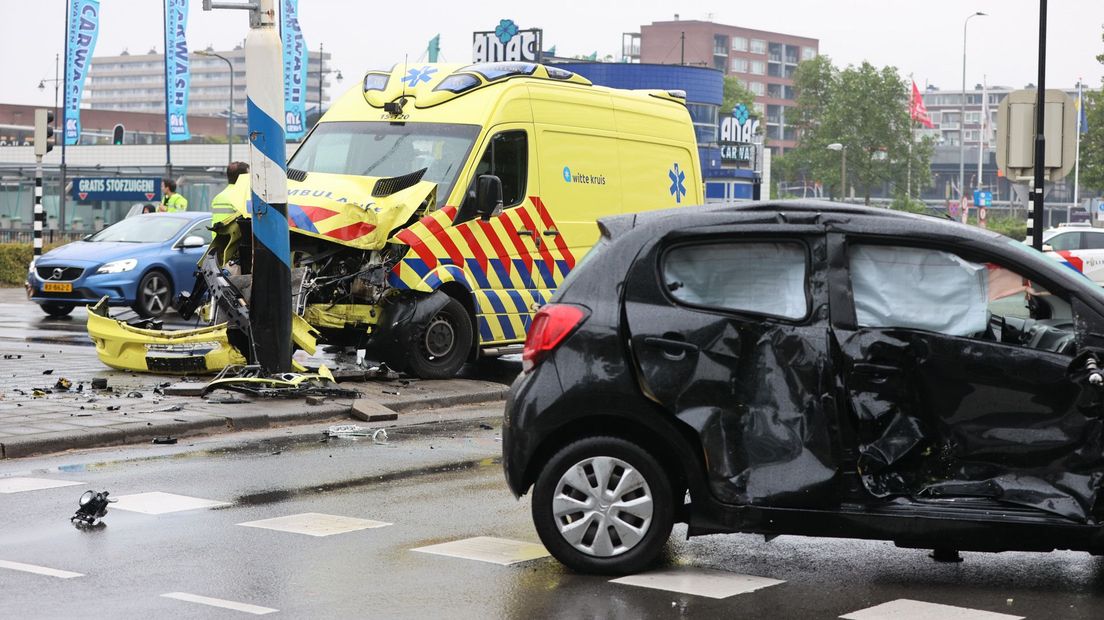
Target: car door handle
x=673, y=349
x=525, y=231
x=551, y=233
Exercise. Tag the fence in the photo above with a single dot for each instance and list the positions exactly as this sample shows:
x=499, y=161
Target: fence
x=48, y=236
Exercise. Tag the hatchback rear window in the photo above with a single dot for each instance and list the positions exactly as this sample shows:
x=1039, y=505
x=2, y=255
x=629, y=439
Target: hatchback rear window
x=761, y=278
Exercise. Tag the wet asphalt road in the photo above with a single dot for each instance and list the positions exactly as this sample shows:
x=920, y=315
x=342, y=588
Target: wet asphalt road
x=434, y=483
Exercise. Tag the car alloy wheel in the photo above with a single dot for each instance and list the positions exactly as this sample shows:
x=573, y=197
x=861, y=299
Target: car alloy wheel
x=154, y=294
x=604, y=505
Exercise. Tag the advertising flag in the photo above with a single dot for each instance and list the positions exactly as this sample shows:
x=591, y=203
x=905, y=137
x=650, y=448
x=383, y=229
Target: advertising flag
x=295, y=72
x=83, y=30
x=917, y=110
x=177, y=73
x=1082, y=116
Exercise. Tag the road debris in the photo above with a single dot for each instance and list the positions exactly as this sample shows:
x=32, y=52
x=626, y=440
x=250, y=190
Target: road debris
x=371, y=411
x=251, y=380
x=164, y=441
x=99, y=383
x=134, y=394
x=48, y=372
x=352, y=430
x=169, y=409
x=92, y=507
x=63, y=384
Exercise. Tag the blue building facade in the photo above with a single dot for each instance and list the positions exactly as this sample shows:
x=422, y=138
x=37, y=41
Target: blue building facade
x=704, y=89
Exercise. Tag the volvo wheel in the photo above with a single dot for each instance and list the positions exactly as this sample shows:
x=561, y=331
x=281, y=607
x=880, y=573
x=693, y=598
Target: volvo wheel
x=56, y=309
x=442, y=346
x=603, y=505
x=154, y=295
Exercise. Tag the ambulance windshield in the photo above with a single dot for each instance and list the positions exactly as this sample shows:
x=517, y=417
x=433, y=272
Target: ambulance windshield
x=378, y=149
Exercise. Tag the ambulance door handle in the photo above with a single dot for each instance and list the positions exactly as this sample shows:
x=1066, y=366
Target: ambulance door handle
x=525, y=231
x=551, y=233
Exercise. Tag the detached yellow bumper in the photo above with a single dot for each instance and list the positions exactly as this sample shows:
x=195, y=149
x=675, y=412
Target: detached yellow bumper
x=184, y=352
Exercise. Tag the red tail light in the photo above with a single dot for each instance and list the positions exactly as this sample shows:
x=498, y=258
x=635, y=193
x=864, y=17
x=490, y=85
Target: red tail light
x=551, y=325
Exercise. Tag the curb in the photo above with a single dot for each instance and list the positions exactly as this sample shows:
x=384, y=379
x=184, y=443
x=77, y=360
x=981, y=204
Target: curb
x=223, y=422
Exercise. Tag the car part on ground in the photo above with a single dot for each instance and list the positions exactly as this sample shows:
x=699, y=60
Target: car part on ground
x=92, y=507
x=251, y=380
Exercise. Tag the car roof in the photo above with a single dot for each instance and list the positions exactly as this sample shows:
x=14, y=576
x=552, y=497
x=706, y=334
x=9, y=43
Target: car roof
x=834, y=215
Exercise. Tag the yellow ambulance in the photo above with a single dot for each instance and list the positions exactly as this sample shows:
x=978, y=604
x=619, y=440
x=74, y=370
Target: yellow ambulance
x=436, y=206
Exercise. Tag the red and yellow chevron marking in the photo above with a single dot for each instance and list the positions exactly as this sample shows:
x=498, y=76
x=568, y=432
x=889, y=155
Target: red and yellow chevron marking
x=506, y=273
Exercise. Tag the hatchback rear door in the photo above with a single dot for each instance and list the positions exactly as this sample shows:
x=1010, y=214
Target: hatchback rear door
x=728, y=332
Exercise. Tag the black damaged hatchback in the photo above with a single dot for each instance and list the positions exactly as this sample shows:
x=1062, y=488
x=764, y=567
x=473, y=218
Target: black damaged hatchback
x=810, y=369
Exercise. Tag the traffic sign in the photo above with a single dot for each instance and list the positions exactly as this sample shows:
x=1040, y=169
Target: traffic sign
x=983, y=198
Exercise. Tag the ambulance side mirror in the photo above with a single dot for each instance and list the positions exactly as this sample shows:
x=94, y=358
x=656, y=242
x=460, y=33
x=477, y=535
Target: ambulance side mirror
x=488, y=196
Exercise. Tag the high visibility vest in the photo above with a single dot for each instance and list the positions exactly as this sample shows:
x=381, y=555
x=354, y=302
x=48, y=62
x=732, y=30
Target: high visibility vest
x=175, y=203
x=222, y=206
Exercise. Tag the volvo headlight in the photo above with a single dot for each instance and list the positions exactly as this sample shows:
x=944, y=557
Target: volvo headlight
x=118, y=266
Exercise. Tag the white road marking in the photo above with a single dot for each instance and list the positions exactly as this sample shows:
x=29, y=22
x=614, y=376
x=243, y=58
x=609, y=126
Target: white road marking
x=39, y=570
x=499, y=551
x=18, y=485
x=157, y=503
x=699, y=582
x=256, y=610
x=315, y=524
x=905, y=609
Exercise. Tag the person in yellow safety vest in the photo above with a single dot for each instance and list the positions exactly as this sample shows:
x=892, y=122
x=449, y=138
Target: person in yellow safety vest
x=171, y=202
x=222, y=206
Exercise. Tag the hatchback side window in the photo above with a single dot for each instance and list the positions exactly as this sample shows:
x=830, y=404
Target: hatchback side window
x=756, y=277
x=200, y=230
x=1065, y=241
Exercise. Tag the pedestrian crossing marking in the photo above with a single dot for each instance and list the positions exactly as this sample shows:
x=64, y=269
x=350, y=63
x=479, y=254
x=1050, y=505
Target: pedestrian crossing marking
x=39, y=570
x=157, y=503
x=699, y=582
x=501, y=551
x=905, y=609
x=18, y=485
x=256, y=610
x=315, y=524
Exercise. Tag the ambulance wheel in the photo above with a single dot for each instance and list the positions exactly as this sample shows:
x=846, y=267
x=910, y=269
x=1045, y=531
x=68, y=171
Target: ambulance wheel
x=443, y=344
x=57, y=310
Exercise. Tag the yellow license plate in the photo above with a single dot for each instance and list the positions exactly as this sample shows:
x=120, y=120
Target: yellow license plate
x=57, y=287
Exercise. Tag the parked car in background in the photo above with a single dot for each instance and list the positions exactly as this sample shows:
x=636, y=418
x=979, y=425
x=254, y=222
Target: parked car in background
x=810, y=369
x=1080, y=246
x=142, y=262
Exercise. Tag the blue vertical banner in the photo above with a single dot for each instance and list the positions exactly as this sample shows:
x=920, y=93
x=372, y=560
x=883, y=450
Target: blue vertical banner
x=84, y=29
x=177, y=71
x=295, y=71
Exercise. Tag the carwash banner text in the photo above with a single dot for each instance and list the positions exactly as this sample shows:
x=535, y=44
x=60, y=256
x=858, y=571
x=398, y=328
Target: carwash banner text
x=295, y=71
x=177, y=73
x=83, y=29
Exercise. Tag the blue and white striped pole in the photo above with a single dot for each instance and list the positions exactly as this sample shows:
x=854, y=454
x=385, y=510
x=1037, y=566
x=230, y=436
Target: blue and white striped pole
x=270, y=298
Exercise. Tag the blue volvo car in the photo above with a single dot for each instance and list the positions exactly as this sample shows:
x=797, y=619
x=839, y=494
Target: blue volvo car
x=142, y=262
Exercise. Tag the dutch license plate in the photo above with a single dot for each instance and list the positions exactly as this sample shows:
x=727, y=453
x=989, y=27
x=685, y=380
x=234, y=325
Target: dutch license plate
x=57, y=287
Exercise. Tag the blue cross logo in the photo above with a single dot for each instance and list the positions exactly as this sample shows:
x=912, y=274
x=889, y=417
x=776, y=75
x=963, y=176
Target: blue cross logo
x=567, y=174
x=678, y=188
x=414, y=76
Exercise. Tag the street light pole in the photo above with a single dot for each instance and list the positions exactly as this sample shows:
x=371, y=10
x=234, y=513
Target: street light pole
x=230, y=117
x=962, y=115
x=842, y=148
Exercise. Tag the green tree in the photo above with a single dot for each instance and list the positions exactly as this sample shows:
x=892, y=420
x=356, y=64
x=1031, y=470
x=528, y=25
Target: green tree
x=734, y=93
x=865, y=110
x=1092, y=142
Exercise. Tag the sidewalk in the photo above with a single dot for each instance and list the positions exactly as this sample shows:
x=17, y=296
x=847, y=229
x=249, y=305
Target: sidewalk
x=130, y=411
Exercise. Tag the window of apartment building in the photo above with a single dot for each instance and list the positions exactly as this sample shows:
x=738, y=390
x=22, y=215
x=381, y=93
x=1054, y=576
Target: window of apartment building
x=788, y=71
x=789, y=132
x=720, y=45
x=758, y=46
x=792, y=54
x=774, y=114
x=774, y=52
x=788, y=92
x=757, y=88
x=757, y=67
x=720, y=63
x=739, y=65
x=774, y=91
x=973, y=118
x=971, y=135
x=760, y=109
x=772, y=132
x=774, y=69
x=950, y=117
x=808, y=53
x=936, y=117
x=739, y=44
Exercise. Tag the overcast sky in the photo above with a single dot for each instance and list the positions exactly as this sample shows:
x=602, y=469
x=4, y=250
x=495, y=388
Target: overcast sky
x=921, y=37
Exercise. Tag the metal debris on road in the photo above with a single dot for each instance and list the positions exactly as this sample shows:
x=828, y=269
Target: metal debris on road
x=99, y=383
x=164, y=441
x=92, y=507
x=48, y=372
x=169, y=409
x=352, y=430
x=251, y=380
x=134, y=394
x=63, y=384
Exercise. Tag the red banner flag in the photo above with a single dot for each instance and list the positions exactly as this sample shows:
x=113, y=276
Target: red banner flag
x=917, y=110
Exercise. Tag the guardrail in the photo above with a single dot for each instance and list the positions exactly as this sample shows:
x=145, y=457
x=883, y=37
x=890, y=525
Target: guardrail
x=21, y=235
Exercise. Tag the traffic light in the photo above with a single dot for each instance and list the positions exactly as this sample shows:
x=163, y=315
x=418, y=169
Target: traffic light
x=117, y=134
x=43, y=132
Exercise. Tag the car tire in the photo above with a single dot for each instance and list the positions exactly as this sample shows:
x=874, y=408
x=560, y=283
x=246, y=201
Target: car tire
x=154, y=294
x=603, y=541
x=57, y=310
x=442, y=346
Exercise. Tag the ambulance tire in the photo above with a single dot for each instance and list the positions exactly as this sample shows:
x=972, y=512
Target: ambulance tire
x=443, y=344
